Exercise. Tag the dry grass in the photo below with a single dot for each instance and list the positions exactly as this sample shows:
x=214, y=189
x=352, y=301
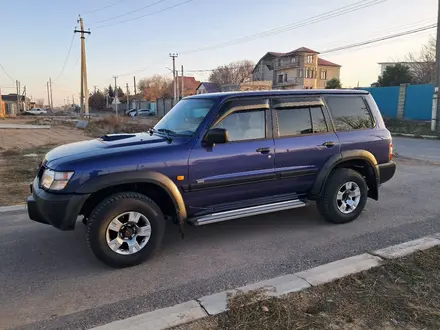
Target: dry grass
x=113, y=124
x=17, y=172
x=402, y=294
x=418, y=128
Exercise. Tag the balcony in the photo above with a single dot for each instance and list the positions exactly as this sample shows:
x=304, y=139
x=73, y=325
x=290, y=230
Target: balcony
x=285, y=65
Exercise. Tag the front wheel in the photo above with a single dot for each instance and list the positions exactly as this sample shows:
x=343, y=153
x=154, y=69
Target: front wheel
x=125, y=229
x=344, y=196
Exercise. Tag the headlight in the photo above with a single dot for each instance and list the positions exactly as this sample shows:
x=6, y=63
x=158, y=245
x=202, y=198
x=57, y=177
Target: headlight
x=55, y=180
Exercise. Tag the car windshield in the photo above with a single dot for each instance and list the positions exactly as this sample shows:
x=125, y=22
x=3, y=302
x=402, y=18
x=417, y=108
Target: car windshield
x=185, y=117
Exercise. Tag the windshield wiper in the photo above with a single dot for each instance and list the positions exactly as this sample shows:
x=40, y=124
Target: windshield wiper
x=166, y=130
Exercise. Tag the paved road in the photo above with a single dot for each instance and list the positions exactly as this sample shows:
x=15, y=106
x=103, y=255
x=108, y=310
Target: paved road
x=417, y=148
x=49, y=280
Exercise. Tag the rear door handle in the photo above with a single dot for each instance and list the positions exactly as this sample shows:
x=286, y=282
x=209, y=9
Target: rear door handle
x=329, y=144
x=263, y=150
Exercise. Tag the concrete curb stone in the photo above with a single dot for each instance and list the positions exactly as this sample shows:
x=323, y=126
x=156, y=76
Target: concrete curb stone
x=401, y=250
x=160, y=319
x=338, y=269
x=13, y=208
x=217, y=303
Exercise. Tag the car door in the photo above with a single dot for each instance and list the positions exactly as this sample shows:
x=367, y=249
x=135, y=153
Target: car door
x=304, y=140
x=241, y=169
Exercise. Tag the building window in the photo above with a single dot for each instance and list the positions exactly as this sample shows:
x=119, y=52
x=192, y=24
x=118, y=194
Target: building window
x=310, y=73
x=300, y=73
x=282, y=78
x=309, y=59
x=323, y=74
x=292, y=60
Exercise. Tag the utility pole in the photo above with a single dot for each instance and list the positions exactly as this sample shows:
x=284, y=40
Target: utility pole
x=84, y=90
x=436, y=114
x=48, y=95
x=177, y=84
x=94, y=87
x=128, y=103
x=182, y=91
x=24, y=95
x=173, y=56
x=73, y=99
x=18, y=97
x=134, y=85
x=51, y=95
x=116, y=96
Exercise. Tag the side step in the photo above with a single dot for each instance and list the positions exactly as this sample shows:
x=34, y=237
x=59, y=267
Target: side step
x=246, y=212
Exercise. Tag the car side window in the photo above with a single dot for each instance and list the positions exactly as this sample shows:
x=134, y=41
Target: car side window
x=243, y=120
x=318, y=120
x=294, y=121
x=349, y=113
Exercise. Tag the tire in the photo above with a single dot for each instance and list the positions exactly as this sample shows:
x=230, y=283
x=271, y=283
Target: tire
x=122, y=206
x=328, y=204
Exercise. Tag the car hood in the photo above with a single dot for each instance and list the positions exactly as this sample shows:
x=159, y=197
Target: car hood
x=108, y=144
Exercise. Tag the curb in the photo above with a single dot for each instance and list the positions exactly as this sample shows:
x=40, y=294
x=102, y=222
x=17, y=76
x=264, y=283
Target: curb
x=13, y=208
x=216, y=303
x=427, y=137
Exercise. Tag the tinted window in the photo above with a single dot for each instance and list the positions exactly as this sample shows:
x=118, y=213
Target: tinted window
x=349, y=113
x=294, y=121
x=318, y=120
x=244, y=125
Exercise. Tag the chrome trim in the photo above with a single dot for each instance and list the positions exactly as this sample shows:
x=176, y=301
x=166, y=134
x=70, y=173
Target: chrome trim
x=246, y=212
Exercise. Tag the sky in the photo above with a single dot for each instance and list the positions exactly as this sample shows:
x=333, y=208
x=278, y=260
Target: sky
x=36, y=36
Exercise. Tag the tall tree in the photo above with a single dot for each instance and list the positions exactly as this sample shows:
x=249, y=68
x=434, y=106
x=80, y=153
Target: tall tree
x=395, y=75
x=154, y=87
x=111, y=92
x=97, y=100
x=423, y=63
x=232, y=73
x=333, y=83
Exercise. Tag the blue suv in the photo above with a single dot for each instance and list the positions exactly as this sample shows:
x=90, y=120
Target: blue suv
x=217, y=157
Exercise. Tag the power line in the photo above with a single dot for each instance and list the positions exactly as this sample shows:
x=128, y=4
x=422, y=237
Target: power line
x=308, y=21
x=149, y=14
x=67, y=57
x=133, y=11
x=359, y=44
x=392, y=36
x=105, y=7
x=7, y=75
x=143, y=69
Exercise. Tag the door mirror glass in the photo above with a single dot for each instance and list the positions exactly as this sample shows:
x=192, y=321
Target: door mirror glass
x=217, y=135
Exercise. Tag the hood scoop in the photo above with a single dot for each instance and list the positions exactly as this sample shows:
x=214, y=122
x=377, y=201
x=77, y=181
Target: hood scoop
x=116, y=137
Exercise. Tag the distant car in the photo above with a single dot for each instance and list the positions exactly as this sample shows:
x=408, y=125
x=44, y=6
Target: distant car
x=36, y=111
x=130, y=112
x=142, y=113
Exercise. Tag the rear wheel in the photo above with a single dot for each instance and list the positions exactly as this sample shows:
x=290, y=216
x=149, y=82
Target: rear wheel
x=125, y=229
x=344, y=196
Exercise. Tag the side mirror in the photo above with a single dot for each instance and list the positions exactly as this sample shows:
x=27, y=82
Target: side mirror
x=216, y=135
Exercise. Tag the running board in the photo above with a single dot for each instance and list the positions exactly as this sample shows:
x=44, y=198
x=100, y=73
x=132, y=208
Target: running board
x=246, y=212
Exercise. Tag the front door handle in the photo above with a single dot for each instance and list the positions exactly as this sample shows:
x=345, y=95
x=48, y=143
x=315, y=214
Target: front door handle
x=263, y=150
x=329, y=144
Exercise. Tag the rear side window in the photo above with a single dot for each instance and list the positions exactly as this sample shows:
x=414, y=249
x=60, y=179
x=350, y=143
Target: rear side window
x=300, y=120
x=349, y=113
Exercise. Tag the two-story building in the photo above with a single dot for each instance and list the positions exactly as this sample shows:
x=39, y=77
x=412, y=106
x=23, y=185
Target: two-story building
x=298, y=69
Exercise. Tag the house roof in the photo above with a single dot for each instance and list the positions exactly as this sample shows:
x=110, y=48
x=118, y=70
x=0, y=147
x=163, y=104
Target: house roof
x=210, y=87
x=323, y=62
x=11, y=98
x=190, y=85
x=302, y=50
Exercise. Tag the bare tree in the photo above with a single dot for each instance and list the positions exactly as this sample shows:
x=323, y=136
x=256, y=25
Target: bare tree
x=232, y=73
x=422, y=64
x=39, y=102
x=154, y=87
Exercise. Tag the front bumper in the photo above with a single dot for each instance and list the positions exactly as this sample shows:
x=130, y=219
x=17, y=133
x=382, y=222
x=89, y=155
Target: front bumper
x=386, y=171
x=58, y=210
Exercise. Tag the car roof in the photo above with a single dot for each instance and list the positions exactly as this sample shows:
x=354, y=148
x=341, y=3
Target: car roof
x=268, y=93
